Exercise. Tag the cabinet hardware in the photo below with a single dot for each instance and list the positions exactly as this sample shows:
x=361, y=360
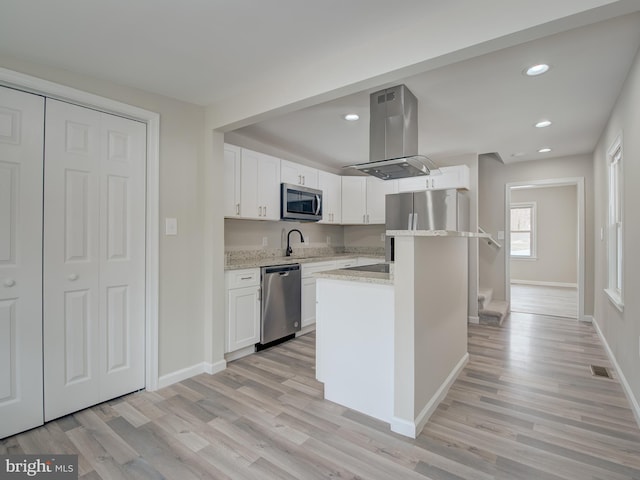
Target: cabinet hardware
x=9, y=282
x=265, y=211
x=73, y=277
x=237, y=209
x=246, y=278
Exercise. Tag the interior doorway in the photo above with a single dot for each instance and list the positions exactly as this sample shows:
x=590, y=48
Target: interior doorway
x=545, y=247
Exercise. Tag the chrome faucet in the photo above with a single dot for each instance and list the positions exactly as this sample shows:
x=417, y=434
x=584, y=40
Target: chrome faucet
x=289, y=251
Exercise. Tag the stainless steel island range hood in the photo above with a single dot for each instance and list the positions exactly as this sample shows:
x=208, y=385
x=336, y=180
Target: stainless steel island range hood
x=393, y=137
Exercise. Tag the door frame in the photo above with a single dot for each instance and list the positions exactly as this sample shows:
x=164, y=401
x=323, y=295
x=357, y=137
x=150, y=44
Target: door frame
x=578, y=182
x=45, y=88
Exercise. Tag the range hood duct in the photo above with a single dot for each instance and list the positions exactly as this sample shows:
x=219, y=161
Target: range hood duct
x=393, y=137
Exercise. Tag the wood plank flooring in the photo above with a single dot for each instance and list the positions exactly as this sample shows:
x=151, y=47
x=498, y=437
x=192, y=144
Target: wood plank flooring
x=544, y=300
x=525, y=407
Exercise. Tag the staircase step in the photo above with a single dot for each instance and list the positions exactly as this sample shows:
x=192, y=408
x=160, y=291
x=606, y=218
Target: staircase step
x=494, y=313
x=485, y=296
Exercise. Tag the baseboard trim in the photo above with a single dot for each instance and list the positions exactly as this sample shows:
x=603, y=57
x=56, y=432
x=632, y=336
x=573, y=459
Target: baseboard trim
x=213, y=368
x=413, y=429
x=544, y=284
x=474, y=320
x=243, y=352
x=588, y=319
x=192, y=371
x=635, y=405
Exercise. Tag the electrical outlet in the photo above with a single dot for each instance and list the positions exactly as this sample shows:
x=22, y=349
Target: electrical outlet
x=265, y=241
x=328, y=239
x=382, y=237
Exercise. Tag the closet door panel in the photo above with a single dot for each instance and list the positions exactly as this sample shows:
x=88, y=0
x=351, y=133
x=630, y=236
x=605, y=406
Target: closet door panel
x=71, y=259
x=122, y=259
x=21, y=144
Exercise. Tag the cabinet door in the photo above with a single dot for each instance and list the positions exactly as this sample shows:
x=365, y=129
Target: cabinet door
x=243, y=318
x=249, y=205
x=231, y=181
x=331, y=187
x=269, y=187
x=21, y=144
x=308, y=301
x=309, y=176
x=376, y=191
x=452, y=177
x=291, y=172
x=354, y=200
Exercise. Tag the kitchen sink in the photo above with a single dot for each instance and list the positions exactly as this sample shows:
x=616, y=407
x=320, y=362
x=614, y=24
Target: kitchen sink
x=376, y=267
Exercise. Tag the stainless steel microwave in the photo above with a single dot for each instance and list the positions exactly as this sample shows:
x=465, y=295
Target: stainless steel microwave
x=302, y=204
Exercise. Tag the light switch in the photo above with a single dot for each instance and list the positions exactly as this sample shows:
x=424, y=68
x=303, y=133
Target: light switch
x=171, y=226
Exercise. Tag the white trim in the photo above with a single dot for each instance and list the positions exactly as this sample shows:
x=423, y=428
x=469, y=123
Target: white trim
x=243, y=352
x=615, y=298
x=474, y=320
x=635, y=405
x=413, y=429
x=213, y=368
x=152, y=119
x=588, y=319
x=182, y=374
x=544, y=284
x=552, y=182
x=307, y=329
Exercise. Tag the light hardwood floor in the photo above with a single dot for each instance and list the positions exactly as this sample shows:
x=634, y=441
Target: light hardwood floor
x=544, y=300
x=525, y=407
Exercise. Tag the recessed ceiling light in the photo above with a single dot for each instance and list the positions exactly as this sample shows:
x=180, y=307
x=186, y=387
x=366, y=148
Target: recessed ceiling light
x=537, y=69
x=352, y=117
x=543, y=123
x=518, y=154
x=544, y=150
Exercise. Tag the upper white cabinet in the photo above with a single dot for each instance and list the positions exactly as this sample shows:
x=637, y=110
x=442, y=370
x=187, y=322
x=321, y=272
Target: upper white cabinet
x=231, y=180
x=251, y=184
x=297, y=174
x=331, y=187
x=456, y=176
x=363, y=199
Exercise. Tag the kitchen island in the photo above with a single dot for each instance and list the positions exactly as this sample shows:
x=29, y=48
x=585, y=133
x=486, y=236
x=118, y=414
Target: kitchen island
x=391, y=347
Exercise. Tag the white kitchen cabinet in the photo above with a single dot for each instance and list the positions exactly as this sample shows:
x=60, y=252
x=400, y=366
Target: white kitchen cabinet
x=456, y=176
x=369, y=260
x=259, y=186
x=354, y=200
x=376, y=192
x=291, y=172
x=231, y=180
x=331, y=187
x=346, y=262
x=363, y=199
x=242, y=309
x=308, y=292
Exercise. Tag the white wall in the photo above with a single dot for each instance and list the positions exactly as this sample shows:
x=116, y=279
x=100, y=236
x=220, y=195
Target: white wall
x=493, y=177
x=621, y=330
x=181, y=156
x=556, y=236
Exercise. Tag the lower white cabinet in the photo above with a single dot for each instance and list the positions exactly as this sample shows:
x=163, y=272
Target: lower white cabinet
x=309, y=289
x=242, y=308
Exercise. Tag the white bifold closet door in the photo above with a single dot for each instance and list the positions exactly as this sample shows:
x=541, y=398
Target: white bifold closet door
x=21, y=144
x=94, y=257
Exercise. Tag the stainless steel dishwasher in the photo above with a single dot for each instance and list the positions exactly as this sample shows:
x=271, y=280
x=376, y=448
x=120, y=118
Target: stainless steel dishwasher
x=281, y=303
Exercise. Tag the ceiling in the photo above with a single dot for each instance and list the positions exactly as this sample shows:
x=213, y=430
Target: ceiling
x=485, y=104
x=206, y=51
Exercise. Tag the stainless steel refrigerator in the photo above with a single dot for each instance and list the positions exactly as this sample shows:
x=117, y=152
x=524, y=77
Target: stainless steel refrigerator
x=428, y=210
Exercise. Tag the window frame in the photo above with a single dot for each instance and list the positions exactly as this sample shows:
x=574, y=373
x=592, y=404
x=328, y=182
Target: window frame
x=615, y=224
x=533, y=253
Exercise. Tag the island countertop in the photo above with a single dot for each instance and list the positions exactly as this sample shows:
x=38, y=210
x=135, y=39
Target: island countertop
x=435, y=233
x=357, y=276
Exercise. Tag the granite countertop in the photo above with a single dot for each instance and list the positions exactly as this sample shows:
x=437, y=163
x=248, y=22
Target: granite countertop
x=435, y=233
x=357, y=276
x=265, y=262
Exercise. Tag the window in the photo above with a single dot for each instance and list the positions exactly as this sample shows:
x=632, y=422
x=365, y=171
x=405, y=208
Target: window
x=523, y=225
x=614, y=225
